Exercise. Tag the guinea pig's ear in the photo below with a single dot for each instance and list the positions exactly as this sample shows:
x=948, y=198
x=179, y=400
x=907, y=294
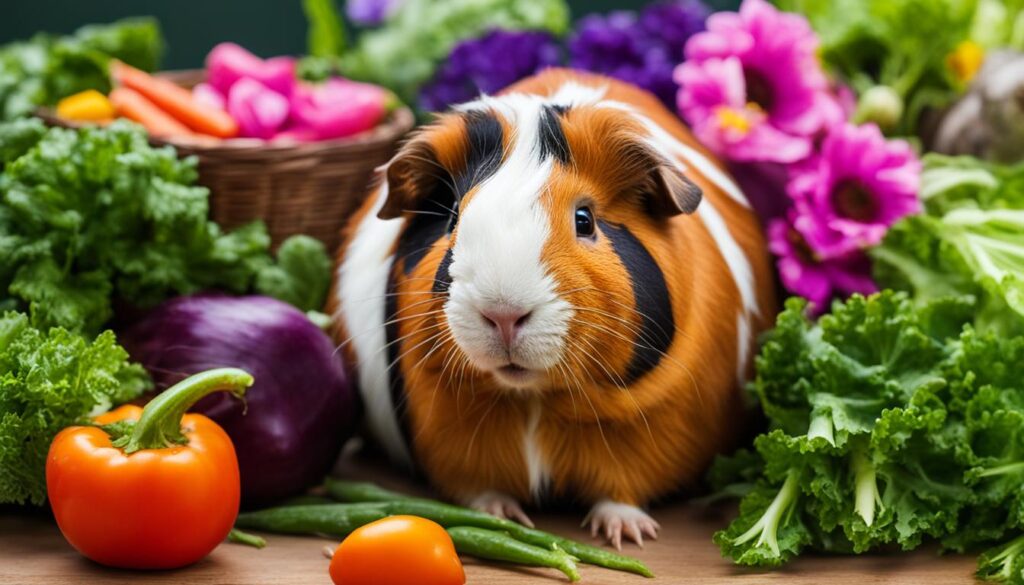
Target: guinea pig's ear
x=668, y=190
x=411, y=175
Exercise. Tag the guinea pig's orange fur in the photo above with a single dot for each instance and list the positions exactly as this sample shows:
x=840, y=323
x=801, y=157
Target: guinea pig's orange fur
x=600, y=440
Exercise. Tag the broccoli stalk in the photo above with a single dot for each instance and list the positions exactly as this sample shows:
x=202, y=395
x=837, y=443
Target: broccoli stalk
x=867, y=498
x=1003, y=563
x=767, y=526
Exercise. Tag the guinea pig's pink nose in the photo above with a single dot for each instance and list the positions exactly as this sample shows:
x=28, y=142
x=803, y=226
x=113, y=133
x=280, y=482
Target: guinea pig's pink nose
x=507, y=321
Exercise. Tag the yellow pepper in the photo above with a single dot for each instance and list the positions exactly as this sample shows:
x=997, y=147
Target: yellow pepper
x=87, y=106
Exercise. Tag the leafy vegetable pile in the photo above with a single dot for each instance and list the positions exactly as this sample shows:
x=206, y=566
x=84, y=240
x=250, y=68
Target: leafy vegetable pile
x=900, y=418
x=403, y=55
x=47, y=68
x=93, y=215
x=900, y=56
x=970, y=241
x=49, y=380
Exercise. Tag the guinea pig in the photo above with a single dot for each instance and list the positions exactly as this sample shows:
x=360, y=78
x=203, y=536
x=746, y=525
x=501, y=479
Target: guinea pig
x=554, y=292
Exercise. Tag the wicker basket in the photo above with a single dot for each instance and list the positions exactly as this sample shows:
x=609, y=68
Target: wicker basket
x=302, y=188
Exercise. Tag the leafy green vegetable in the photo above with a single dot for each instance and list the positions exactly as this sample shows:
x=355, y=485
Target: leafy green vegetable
x=854, y=410
x=46, y=68
x=891, y=422
x=403, y=54
x=901, y=45
x=970, y=241
x=92, y=215
x=326, y=35
x=50, y=380
x=301, y=276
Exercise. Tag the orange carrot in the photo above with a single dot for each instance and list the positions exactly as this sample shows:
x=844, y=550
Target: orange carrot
x=134, y=106
x=176, y=101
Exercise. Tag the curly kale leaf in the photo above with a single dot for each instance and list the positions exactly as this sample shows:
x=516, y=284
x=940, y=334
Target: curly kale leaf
x=50, y=380
x=92, y=215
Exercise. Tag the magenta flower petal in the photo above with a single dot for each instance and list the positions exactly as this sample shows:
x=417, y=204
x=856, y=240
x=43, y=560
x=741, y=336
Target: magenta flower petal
x=860, y=184
x=817, y=279
x=764, y=62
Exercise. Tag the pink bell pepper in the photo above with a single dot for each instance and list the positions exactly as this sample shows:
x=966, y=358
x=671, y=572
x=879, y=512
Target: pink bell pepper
x=259, y=110
x=227, y=63
x=337, y=108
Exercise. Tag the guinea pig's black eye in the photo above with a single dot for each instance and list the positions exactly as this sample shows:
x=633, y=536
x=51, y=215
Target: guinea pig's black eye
x=584, y=219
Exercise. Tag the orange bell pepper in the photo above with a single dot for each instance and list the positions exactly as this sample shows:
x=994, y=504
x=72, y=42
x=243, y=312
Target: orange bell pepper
x=153, y=488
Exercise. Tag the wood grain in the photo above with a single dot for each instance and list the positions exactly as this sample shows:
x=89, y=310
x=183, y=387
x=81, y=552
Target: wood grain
x=32, y=552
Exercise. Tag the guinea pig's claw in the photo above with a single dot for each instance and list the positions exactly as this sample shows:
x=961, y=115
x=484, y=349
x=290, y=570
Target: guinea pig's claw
x=502, y=506
x=613, y=520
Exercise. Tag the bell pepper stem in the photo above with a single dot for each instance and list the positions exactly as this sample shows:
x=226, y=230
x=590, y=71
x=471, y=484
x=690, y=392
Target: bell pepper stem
x=160, y=423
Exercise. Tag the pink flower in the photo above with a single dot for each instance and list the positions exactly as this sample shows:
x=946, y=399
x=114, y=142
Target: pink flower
x=817, y=279
x=752, y=87
x=848, y=195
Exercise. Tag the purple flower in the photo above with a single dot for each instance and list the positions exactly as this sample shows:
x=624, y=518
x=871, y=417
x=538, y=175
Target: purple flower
x=752, y=87
x=642, y=50
x=371, y=12
x=848, y=195
x=488, y=64
x=817, y=279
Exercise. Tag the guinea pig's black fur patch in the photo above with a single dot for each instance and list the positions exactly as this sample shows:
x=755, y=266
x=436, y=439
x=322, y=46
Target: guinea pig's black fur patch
x=443, y=280
x=551, y=136
x=484, y=150
x=652, y=300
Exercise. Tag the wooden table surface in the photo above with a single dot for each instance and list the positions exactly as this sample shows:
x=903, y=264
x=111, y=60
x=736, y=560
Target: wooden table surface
x=32, y=552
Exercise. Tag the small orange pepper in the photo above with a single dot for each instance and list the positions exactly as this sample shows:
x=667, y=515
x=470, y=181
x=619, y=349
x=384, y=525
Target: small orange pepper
x=399, y=550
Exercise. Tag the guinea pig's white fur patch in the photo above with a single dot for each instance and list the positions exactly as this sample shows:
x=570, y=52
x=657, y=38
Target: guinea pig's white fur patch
x=496, y=259
x=363, y=282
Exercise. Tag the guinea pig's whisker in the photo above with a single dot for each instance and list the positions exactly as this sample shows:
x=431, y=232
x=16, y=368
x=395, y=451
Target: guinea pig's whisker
x=386, y=323
x=620, y=384
x=483, y=417
x=663, y=354
x=560, y=364
x=412, y=349
x=632, y=327
x=445, y=177
x=597, y=419
x=420, y=212
x=448, y=337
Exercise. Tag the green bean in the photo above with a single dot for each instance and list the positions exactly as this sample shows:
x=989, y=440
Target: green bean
x=238, y=537
x=329, y=519
x=449, y=515
x=498, y=546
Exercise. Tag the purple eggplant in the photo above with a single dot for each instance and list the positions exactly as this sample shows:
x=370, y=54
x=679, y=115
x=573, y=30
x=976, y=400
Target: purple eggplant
x=302, y=406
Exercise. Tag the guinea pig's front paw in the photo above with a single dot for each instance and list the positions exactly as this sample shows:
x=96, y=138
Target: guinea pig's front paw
x=613, y=519
x=500, y=505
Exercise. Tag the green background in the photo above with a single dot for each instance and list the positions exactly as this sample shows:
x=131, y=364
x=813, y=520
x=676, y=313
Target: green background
x=192, y=27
